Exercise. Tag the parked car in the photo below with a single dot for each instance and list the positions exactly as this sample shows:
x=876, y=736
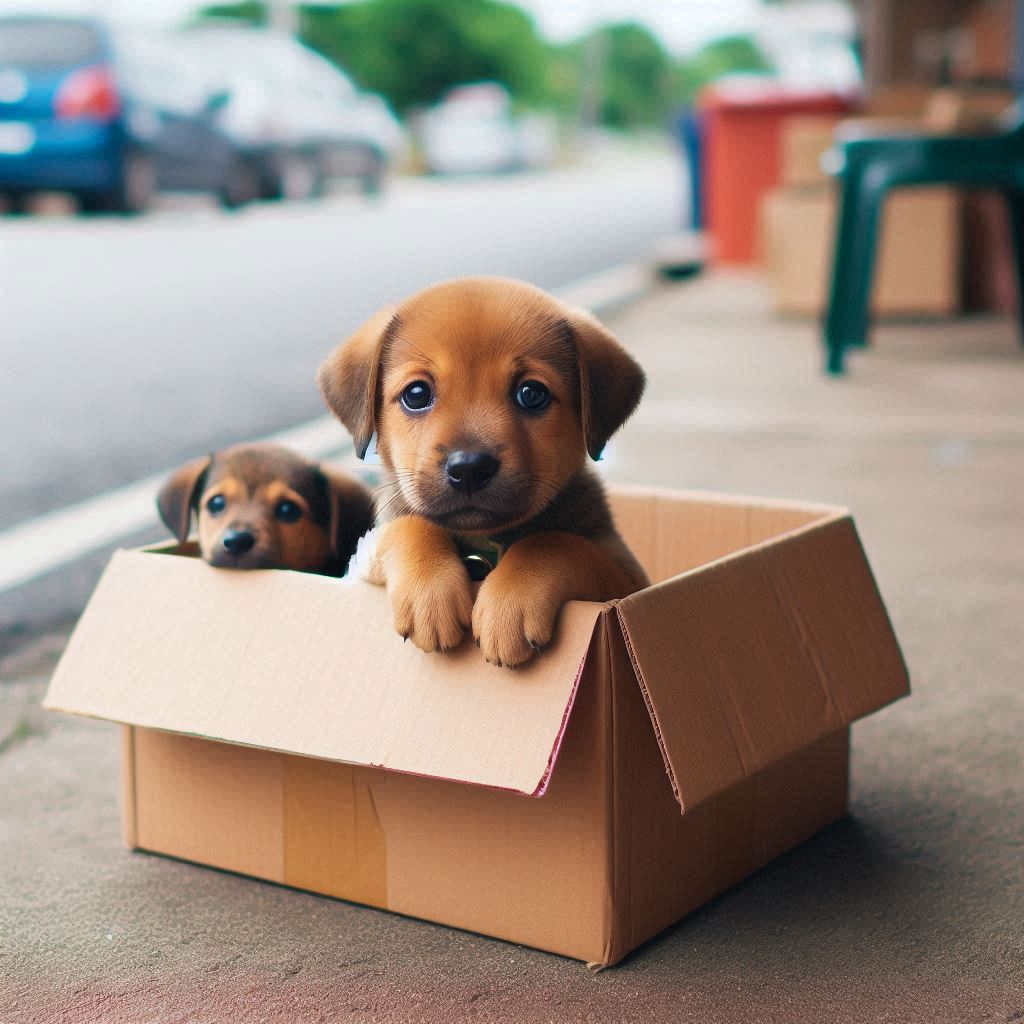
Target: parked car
x=109, y=117
x=299, y=117
x=474, y=130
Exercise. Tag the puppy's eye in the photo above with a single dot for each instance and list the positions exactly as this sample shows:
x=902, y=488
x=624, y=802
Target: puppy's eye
x=216, y=505
x=287, y=511
x=532, y=396
x=417, y=396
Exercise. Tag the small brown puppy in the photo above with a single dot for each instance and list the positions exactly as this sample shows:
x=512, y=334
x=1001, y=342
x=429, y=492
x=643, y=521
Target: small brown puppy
x=261, y=506
x=487, y=395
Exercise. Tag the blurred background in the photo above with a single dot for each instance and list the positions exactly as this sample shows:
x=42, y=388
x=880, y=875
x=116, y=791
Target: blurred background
x=197, y=201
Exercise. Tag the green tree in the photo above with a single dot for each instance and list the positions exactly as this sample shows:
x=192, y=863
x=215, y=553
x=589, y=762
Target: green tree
x=252, y=11
x=413, y=51
x=637, y=78
x=634, y=80
x=728, y=55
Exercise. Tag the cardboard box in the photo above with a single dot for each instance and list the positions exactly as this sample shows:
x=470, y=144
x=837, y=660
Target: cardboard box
x=918, y=267
x=665, y=746
x=805, y=140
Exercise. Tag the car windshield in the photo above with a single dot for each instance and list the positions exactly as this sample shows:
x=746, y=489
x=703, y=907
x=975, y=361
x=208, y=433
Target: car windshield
x=38, y=44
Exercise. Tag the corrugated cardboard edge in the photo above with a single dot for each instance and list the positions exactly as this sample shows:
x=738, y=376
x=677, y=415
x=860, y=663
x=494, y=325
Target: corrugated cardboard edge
x=646, y=694
x=620, y=810
x=129, y=809
x=542, y=786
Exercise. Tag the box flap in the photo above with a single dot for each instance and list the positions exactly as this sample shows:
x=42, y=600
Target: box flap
x=753, y=657
x=312, y=666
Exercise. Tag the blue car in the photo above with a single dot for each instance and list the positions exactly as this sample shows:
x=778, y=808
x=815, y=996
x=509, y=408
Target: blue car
x=110, y=118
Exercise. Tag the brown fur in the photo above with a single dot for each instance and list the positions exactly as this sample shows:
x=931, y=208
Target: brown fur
x=475, y=340
x=253, y=479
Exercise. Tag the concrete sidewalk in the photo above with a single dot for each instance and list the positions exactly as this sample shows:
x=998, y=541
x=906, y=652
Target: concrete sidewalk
x=912, y=909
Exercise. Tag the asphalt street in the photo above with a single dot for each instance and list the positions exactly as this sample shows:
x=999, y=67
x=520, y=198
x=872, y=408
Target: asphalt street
x=127, y=346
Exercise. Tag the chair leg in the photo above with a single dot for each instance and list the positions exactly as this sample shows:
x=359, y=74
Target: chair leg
x=853, y=263
x=1015, y=209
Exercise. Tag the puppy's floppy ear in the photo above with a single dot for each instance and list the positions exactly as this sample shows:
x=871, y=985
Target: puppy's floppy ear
x=611, y=380
x=351, y=511
x=348, y=378
x=179, y=496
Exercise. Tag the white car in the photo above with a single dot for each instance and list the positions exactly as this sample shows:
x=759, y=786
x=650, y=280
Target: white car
x=474, y=130
x=303, y=119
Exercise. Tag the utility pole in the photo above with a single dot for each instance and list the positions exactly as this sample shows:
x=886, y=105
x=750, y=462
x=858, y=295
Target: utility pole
x=592, y=91
x=282, y=16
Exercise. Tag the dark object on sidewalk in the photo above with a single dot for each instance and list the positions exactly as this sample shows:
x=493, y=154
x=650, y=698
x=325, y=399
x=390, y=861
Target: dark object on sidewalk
x=685, y=254
x=867, y=168
x=681, y=256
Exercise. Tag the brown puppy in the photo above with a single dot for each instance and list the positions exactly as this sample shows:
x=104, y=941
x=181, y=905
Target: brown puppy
x=261, y=506
x=487, y=395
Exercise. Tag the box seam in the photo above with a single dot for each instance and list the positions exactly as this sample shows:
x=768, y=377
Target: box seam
x=652, y=714
x=618, y=899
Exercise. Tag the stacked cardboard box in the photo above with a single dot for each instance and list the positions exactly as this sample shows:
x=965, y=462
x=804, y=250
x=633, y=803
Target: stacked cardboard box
x=917, y=271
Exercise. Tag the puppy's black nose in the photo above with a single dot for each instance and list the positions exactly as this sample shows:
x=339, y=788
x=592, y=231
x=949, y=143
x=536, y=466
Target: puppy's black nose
x=469, y=471
x=238, y=542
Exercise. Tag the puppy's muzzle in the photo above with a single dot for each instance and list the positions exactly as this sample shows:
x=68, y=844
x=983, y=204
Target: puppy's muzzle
x=237, y=542
x=470, y=471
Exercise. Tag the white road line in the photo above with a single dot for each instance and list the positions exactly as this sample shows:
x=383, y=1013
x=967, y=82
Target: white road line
x=40, y=545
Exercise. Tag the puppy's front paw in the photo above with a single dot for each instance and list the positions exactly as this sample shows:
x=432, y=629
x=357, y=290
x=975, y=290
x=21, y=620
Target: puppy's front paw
x=433, y=609
x=512, y=620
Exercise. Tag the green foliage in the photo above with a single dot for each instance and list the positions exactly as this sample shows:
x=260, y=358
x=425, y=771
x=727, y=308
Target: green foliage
x=251, y=11
x=414, y=51
x=636, y=77
x=728, y=55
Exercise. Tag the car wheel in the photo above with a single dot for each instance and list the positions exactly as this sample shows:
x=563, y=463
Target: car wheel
x=14, y=203
x=371, y=182
x=93, y=202
x=242, y=186
x=133, y=195
x=299, y=177
x=138, y=184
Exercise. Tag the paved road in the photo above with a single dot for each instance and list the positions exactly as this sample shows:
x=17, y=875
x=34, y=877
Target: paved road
x=127, y=346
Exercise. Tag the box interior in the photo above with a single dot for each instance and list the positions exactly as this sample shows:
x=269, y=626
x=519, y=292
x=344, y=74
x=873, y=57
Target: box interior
x=672, y=533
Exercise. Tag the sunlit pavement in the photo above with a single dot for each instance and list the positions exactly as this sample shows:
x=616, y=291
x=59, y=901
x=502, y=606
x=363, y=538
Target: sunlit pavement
x=910, y=910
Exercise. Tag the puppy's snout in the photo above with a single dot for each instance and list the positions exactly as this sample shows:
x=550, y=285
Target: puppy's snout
x=470, y=471
x=237, y=542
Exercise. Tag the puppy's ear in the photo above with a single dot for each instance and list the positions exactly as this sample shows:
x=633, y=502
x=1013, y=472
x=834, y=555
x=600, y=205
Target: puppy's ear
x=351, y=511
x=180, y=494
x=611, y=380
x=348, y=378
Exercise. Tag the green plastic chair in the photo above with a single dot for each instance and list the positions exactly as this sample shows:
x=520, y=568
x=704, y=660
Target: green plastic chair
x=868, y=168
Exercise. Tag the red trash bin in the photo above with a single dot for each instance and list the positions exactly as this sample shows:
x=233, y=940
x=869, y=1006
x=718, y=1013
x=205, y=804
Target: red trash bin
x=742, y=156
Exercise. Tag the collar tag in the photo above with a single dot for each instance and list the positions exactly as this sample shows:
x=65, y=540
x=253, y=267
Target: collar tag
x=479, y=558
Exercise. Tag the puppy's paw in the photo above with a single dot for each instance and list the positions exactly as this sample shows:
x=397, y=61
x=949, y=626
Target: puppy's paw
x=513, y=621
x=434, y=609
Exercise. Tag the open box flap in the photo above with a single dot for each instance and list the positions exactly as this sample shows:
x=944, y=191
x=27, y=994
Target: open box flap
x=311, y=665
x=753, y=657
